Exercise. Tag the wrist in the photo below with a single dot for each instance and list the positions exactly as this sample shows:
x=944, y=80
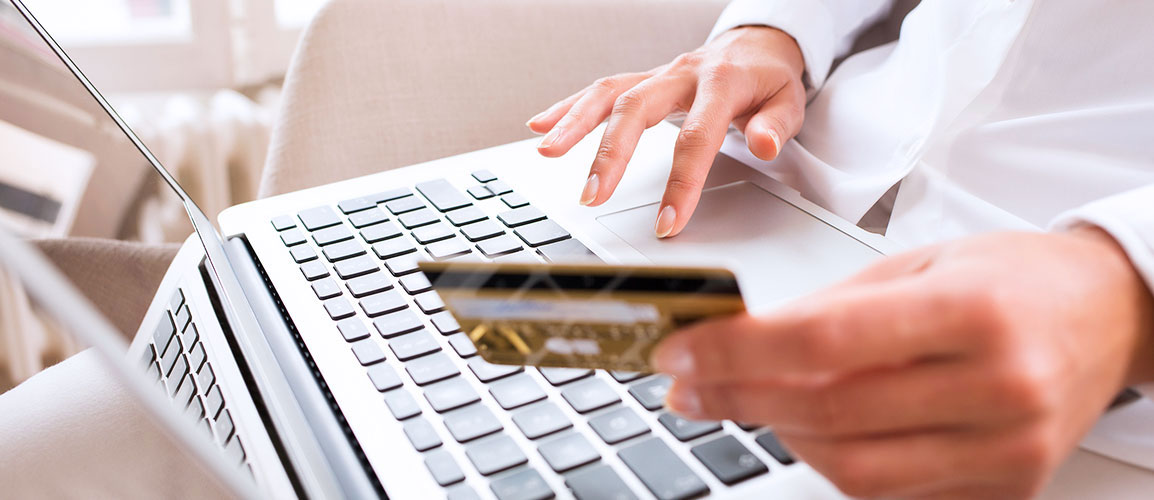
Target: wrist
x=1130, y=288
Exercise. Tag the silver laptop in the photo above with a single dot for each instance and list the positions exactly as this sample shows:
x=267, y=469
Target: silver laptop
x=316, y=360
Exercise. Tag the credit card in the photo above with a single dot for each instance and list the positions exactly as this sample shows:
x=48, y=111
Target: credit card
x=578, y=315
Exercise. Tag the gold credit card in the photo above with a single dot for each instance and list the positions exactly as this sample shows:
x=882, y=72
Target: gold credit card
x=578, y=315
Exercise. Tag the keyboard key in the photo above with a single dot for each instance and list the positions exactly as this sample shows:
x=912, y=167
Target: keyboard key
x=197, y=358
x=624, y=377
x=445, y=323
x=342, y=250
x=404, y=205
x=443, y=467
x=684, y=429
x=540, y=420
x=521, y=216
x=562, y=376
x=516, y=391
x=383, y=303
x=436, y=231
x=352, y=329
x=443, y=195
x=206, y=379
x=522, y=485
x=429, y=302
x=164, y=333
x=171, y=358
x=589, y=395
x=666, y=476
x=369, y=284
x=422, y=434
x=651, y=392
x=431, y=368
x=183, y=317
x=413, y=345
x=480, y=192
x=418, y=218
x=402, y=404
x=462, y=345
x=598, y=483
x=461, y=492
x=356, y=266
x=495, y=454
x=292, y=237
x=384, y=377
x=391, y=194
x=499, y=187
x=401, y=265
x=319, y=217
x=618, y=425
x=368, y=352
x=416, y=283
x=748, y=427
x=400, y=322
x=514, y=200
x=484, y=176
x=368, y=217
x=487, y=372
x=339, y=308
x=499, y=246
x=541, y=233
x=214, y=402
x=186, y=391
x=487, y=228
x=330, y=235
x=568, y=452
x=191, y=334
x=282, y=222
x=467, y=215
x=471, y=422
x=302, y=253
x=379, y=232
x=235, y=451
x=224, y=427
x=729, y=460
x=176, y=300
x=356, y=205
x=448, y=248
x=450, y=394
x=769, y=442
x=391, y=248
x=567, y=250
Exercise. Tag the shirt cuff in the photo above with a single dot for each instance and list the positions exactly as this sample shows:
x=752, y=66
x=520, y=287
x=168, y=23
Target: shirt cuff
x=810, y=23
x=1129, y=218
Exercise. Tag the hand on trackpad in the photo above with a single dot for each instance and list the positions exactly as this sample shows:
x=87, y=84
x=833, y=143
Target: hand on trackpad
x=777, y=250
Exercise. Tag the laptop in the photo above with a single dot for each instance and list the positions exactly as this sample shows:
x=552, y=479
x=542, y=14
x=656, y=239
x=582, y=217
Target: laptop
x=301, y=353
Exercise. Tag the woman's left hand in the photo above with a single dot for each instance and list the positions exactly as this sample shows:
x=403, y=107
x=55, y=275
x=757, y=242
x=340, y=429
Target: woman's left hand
x=968, y=369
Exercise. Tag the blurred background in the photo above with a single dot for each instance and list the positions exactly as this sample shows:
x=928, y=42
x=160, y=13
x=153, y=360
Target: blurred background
x=208, y=118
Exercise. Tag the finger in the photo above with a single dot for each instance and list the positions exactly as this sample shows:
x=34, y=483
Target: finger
x=639, y=108
x=776, y=122
x=902, y=465
x=700, y=139
x=586, y=113
x=882, y=401
x=837, y=332
x=545, y=120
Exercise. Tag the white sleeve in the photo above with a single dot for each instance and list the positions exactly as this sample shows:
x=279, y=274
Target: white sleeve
x=824, y=29
x=1129, y=218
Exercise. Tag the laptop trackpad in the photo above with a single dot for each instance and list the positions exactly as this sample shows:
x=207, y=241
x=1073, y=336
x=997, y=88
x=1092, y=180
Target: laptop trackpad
x=777, y=250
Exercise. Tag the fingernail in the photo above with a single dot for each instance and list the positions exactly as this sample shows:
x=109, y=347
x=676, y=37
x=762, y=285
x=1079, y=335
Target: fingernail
x=673, y=359
x=590, y=192
x=776, y=141
x=684, y=401
x=665, y=220
x=550, y=138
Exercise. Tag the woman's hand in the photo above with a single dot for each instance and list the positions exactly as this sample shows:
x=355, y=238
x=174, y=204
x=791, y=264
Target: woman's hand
x=750, y=76
x=968, y=369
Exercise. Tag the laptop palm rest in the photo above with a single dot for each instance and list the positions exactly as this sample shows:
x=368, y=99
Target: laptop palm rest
x=777, y=250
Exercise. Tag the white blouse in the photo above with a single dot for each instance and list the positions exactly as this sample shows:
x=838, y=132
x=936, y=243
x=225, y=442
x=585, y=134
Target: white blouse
x=992, y=114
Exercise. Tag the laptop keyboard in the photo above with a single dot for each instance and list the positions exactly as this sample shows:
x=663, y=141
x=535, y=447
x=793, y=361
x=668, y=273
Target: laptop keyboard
x=360, y=257
x=176, y=359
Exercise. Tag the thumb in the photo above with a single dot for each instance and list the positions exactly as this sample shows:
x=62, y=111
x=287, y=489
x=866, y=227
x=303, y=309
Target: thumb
x=776, y=122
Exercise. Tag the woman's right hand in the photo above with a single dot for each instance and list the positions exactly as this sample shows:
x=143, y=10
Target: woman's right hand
x=749, y=76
